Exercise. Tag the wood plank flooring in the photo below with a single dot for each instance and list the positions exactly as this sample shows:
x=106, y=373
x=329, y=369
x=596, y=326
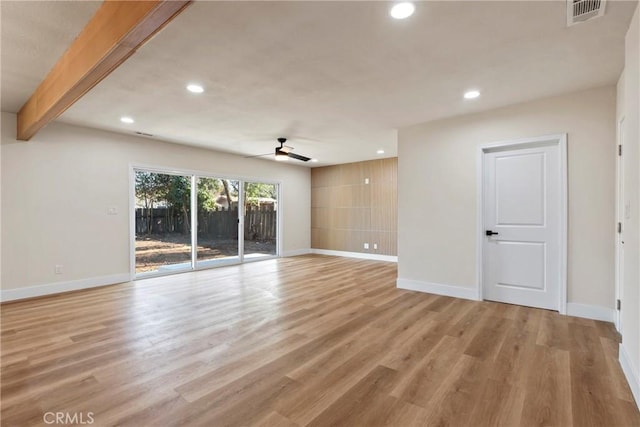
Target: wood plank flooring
x=309, y=340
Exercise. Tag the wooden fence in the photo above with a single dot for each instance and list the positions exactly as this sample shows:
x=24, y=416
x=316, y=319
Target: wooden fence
x=259, y=223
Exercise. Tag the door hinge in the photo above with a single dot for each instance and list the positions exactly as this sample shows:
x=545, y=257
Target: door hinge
x=620, y=150
x=619, y=227
x=618, y=305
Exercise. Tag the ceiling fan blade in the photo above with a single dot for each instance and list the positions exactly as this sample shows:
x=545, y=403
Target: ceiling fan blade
x=258, y=155
x=298, y=157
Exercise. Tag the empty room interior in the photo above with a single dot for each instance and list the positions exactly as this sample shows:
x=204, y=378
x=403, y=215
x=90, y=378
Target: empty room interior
x=320, y=213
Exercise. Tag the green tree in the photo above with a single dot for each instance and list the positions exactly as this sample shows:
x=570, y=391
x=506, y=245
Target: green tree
x=227, y=193
x=178, y=196
x=148, y=191
x=175, y=191
x=208, y=191
x=255, y=190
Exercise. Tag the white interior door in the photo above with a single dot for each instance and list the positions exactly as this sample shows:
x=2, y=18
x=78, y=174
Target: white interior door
x=522, y=225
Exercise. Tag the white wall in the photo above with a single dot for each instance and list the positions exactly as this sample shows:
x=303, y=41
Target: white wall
x=1, y=123
x=629, y=108
x=437, y=191
x=57, y=187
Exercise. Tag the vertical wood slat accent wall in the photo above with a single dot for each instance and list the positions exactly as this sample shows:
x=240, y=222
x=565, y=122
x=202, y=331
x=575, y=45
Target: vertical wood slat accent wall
x=346, y=212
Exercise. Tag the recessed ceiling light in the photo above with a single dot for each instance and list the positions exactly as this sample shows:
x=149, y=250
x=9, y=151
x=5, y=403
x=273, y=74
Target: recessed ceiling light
x=314, y=160
x=127, y=120
x=402, y=10
x=380, y=151
x=471, y=94
x=194, y=88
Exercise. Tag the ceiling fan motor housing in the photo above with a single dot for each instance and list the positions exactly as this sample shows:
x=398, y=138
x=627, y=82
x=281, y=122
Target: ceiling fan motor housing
x=279, y=150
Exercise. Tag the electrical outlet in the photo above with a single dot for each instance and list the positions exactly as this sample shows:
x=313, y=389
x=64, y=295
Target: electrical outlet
x=366, y=180
x=59, y=269
x=366, y=246
x=112, y=210
x=375, y=246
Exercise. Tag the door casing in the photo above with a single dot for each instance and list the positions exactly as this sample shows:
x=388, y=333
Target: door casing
x=620, y=217
x=561, y=141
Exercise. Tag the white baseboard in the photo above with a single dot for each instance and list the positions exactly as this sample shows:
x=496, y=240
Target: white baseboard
x=59, y=287
x=296, y=252
x=375, y=257
x=438, y=289
x=630, y=373
x=595, y=312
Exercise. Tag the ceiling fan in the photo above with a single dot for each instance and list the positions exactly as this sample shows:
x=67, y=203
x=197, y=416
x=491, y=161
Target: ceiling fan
x=284, y=152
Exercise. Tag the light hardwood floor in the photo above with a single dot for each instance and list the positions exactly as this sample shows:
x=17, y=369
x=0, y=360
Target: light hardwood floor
x=308, y=340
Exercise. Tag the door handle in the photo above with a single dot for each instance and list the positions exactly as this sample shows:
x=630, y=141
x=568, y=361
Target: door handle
x=490, y=233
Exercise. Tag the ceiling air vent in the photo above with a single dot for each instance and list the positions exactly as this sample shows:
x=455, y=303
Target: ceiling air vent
x=579, y=11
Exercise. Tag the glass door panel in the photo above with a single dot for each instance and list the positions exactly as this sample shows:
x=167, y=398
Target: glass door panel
x=162, y=222
x=166, y=238
x=260, y=219
x=217, y=221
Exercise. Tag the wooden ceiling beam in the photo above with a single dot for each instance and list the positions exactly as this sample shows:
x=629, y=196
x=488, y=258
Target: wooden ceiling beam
x=112, y=35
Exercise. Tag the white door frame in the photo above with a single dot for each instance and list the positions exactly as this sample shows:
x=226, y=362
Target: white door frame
x=133, y=167
x=561, y=141
x=617, y=318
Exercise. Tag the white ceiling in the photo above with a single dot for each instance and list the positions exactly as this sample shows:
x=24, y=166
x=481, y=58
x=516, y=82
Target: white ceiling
x=337, y=78
x=34, y=35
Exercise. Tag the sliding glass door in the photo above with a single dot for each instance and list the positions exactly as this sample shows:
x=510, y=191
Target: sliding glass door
x=260, y=219
x=162, y=222
x=185, y=222
x=217, y=221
